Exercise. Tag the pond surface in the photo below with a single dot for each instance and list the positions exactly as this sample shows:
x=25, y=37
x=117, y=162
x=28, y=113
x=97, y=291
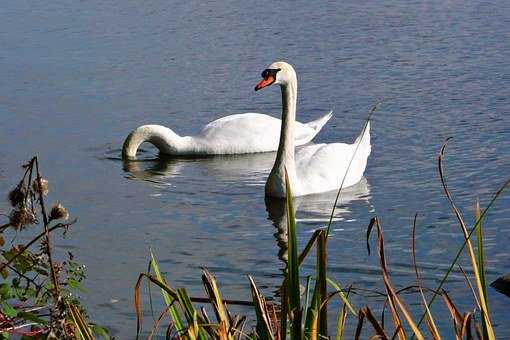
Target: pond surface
x=78, y=76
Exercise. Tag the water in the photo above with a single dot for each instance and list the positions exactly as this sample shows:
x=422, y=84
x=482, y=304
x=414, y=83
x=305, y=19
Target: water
x=78, y=76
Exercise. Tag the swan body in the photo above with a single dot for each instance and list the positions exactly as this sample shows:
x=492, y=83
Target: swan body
x=234, y=134
x=314, y=168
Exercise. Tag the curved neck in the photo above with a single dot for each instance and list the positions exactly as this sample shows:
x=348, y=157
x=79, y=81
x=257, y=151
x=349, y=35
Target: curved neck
x=163, y=138
x=285, y=153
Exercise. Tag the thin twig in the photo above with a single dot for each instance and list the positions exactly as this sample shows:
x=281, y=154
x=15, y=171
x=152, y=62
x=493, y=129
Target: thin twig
x=5, y=264
x=56, y=282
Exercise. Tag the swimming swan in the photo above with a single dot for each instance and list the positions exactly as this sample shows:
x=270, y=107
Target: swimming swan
x=234, y=134
x=314, y=168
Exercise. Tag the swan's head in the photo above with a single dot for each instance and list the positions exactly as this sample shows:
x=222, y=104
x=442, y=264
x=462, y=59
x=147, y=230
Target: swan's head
x=279, y=73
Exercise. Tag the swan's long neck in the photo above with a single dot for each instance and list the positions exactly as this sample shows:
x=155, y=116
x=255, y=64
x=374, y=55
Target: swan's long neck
x=285, y=154
x=163, y=138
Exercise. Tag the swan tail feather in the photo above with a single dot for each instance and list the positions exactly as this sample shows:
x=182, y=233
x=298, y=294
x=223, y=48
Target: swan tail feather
x=319, y=123
x=316, y=126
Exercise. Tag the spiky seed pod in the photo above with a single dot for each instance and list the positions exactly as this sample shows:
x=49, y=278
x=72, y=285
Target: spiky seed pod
x=17, y=195
x=40, y=184
x=58, y=211
x=22, y=217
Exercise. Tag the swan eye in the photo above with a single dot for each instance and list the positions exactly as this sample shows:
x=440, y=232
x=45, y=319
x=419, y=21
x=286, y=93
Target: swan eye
x=269, y=72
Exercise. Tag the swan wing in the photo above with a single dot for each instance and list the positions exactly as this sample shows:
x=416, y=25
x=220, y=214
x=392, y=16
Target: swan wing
x=242, y=133
x=322, y=167
x=254, y=132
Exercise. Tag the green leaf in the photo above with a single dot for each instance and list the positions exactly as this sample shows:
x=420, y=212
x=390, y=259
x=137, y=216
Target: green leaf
x=31, y=317
x=5, y=291
x=9, y=310
x=100, y=332
x=73, y=284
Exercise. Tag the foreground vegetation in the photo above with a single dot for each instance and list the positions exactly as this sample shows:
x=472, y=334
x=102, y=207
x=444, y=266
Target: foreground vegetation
x=304, y=315
x=37, y=293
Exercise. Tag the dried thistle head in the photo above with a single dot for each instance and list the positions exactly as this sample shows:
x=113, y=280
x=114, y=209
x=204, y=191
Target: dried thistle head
x=58, y=211
x=40, y=184
x=22, y=217
x=17, y=195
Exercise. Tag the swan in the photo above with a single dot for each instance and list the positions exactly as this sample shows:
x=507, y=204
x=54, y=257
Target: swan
x=234, y=134
x=314, y=168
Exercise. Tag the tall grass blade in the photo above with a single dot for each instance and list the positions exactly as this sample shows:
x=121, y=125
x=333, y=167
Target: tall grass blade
x=430, y=320
x=481, y=263
x=342, y=317
x=342, y=295
x=308, y=246
x=454, y=312
x=316, y=317
x=138, y=305
x=469, y=247
x=313, y=325
x=466, y=326
x=312, y=315
x=379, y=329
x=155, y=327
x=297, y=333
x=293, y=291
x=176, y=318
x=468, y=282
x=321, y=282
x=263, y=327
x=307, y=295
x=191, y=315
x=216, y=302
x=359, y=326
x=393, y=298
x=313, y=318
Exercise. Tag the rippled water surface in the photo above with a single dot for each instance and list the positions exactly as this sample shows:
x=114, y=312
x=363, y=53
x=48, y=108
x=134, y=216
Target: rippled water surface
x=78, y=76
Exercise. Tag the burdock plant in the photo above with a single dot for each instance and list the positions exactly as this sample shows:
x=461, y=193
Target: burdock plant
x=38, y=300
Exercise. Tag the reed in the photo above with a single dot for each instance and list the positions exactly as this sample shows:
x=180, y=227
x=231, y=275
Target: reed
x=303, y=315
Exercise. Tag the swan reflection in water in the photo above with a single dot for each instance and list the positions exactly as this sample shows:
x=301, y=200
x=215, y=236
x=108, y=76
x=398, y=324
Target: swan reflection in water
x=247, y=169
x=314, y=210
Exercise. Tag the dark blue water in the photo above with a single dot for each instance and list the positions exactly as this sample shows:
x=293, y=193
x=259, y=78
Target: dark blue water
x=78, y=76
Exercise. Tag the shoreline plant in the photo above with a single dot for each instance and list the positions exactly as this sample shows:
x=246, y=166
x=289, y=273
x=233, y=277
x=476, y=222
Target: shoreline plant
x=38, y=293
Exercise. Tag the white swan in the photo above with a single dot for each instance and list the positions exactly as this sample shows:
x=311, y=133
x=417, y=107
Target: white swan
x=314, y=168
x=234, y=134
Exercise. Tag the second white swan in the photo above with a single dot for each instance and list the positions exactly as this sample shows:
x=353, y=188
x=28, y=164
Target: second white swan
x=234, y=134
x=314, y=168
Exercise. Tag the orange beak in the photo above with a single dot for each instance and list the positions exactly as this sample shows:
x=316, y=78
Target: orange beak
x=265, y=82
